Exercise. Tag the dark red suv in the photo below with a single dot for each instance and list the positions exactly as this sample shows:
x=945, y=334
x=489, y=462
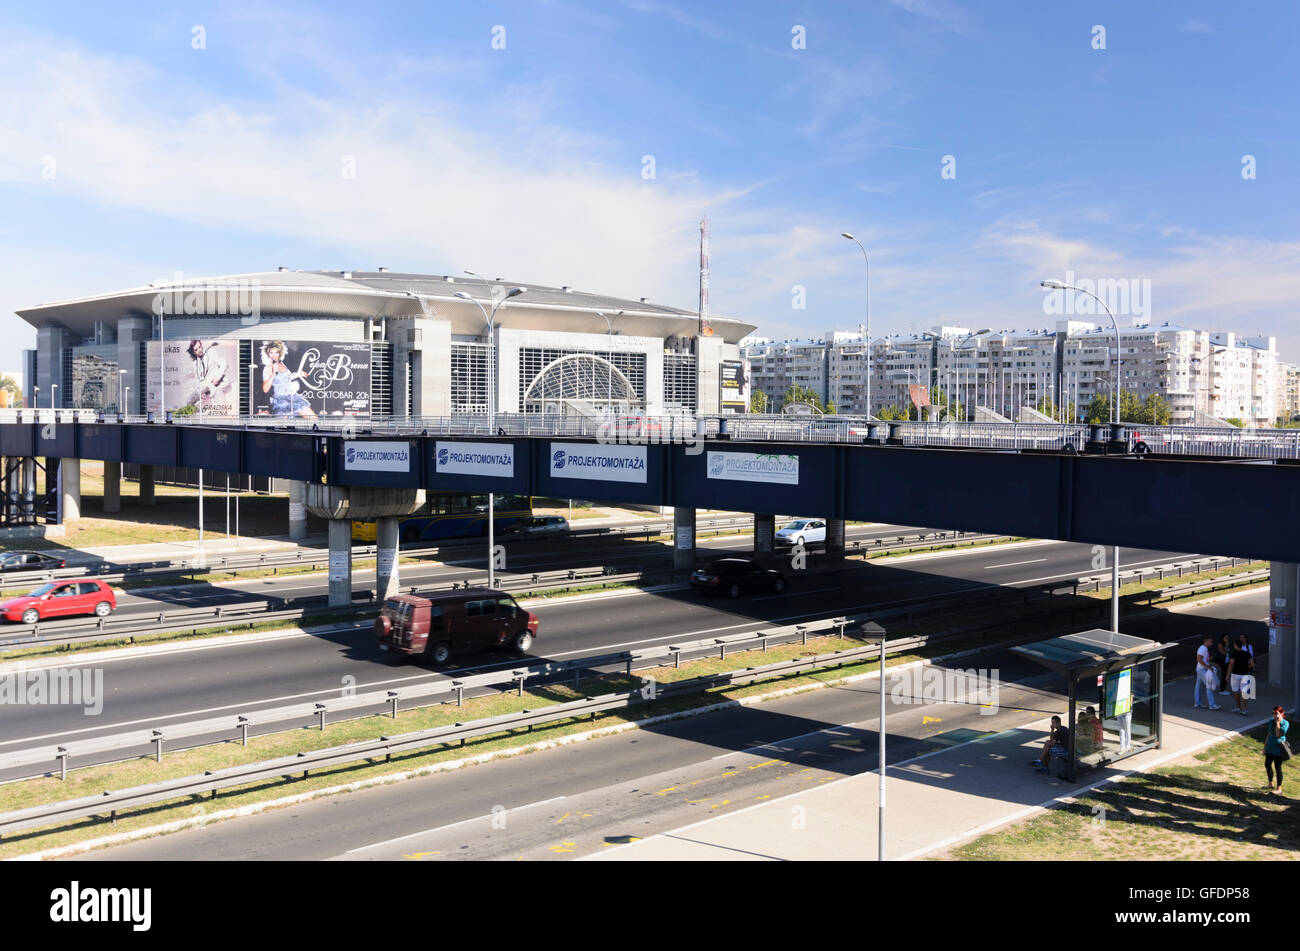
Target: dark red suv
x=61, y=599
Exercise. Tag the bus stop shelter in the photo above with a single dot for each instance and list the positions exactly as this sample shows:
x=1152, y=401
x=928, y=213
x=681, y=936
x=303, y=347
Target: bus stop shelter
x=1116, y=687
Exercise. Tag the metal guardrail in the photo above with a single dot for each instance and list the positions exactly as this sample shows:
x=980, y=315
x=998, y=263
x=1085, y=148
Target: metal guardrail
x=385, y=746
x=112, y=572
x=427, y=693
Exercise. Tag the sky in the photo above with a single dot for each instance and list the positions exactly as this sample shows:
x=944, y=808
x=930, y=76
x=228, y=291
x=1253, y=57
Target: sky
x=974, y=148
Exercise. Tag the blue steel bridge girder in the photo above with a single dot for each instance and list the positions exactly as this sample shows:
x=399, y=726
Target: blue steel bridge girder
x=1245, y=509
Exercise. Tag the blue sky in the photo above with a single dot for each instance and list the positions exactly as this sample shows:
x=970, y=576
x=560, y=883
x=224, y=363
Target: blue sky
x=527, y=161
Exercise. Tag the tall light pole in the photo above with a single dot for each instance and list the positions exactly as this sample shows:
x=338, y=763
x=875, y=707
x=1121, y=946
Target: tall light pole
x=121, y=388
x=492, y=412
x=874, y=633
x=54, y=392
x=866, y=262
x=1116, y=393
x=609, y=353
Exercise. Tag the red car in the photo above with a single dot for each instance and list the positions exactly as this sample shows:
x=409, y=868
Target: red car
x=61, y=599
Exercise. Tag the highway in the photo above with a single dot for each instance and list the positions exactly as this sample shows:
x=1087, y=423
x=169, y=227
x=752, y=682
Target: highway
x=524, y=557
x=207, y=679
x=578, y=800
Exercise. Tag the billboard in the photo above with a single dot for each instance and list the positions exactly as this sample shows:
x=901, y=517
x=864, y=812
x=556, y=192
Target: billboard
x=476, y=458
x=95, y=382
x=772, y=469
x=601, y=463
x=199, y=377
x=310, y=378
x=733, y=385
x=373, y=456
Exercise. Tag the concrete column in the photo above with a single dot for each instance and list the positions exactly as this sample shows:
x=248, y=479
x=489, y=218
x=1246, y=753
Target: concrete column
x=683, y=539
x=835, y=537
x=146, y=485
x=764, y=534
x=28, y=506
x=70, y=488
x=387, y=552
x=340, y=537
x=297, y=511
x=1282, y=607
x=112, y=487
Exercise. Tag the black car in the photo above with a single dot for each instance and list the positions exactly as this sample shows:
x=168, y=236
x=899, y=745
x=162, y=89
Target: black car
x=734, y=575
x=29, y=561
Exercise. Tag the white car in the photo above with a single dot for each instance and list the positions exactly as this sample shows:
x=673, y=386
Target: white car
x=802, y=531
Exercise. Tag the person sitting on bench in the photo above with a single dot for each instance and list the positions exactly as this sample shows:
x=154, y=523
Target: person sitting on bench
x=1057, y=743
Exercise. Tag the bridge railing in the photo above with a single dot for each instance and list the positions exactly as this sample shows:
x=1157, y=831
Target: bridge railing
x=1225, y=442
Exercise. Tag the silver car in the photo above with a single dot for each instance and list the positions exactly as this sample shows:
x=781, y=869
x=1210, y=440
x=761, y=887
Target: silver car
x=541, y=525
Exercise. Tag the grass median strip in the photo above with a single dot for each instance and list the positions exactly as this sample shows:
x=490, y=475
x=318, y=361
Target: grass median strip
x=94, y=780
x=1210, y=806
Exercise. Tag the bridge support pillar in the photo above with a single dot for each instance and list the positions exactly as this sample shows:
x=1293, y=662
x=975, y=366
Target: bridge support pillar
x=764, y=534
x=297, y=511
x=387, y=553
x=683, y=539
x=28, y=505
x=340, y=570
x=112, y=487
x=835, y=537
x=70, y=488
x=146, y=485
x=1284, y=622
x=341, y=504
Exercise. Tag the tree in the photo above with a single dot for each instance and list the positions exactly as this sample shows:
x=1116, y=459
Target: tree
x=892, y=413
x=10, y=386
x=757, y=401
x=801, y=394
x=830, y=407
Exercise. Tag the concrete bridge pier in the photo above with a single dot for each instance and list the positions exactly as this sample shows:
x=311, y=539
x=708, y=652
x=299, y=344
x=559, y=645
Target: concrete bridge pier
x=112, y=487
x=683, y=539
x=835, y=537
x=70, y=488
x=27, y=506
x=146, y=485
x=764, y=535
x=340, y=505
x=297, y=511
x=1284, y=622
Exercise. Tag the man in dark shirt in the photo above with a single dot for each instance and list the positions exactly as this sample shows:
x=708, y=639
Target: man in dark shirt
x=1240, y=663
x=1058, y=741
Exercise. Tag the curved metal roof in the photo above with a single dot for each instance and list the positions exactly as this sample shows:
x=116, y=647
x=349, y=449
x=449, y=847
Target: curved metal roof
x=362, y=294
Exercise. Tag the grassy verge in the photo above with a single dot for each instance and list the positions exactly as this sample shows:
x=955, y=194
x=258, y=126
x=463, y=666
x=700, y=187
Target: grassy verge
x=1213, y=805
x=1155, y=584
x=94, y=780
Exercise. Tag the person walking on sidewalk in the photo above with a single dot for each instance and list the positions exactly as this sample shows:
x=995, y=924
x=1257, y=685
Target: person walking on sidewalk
x=1276, y=748
x=1207, y=678
x=1240, y=664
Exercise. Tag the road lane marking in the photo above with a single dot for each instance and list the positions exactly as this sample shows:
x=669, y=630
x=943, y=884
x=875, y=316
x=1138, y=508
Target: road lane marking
x=450, y=825
x=1015, y=564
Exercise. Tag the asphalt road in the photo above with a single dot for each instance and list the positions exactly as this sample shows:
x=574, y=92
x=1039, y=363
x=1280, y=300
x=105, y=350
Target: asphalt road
x=579, y=799
x=524, y=557
x=204, y=680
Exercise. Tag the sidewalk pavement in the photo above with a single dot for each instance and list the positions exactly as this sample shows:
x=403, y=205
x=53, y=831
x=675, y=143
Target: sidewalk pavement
x=937, y=800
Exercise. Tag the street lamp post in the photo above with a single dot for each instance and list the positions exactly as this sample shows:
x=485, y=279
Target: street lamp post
x=1114, y=560
x=122, y=391
x=492, y=411
x=874, y=633
x=609, y=353
x=54, y=392
x=866, y=262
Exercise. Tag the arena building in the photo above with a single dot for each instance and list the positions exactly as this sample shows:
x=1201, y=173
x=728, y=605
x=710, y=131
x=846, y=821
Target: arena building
x=381, y=345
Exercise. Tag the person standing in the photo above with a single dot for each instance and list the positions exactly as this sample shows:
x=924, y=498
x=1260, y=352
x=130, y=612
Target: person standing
x=1207, y=679
x=1276, y=748
x=1240, y=663
x=1221, y=657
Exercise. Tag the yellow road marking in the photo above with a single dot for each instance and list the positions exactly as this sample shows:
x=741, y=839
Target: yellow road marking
x=765, y=763
x=416, y=856
x=925, y=720
x=565, y=846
